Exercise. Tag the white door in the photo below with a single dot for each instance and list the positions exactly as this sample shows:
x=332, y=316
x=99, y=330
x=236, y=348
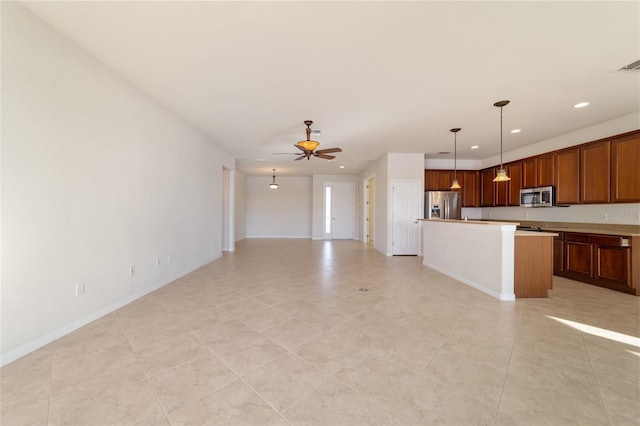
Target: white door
x=343, y=210
x=406, y=200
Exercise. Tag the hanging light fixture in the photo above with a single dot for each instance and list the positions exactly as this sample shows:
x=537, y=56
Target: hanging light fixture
x=502, y=173
x=274, y=185
x=455, y=184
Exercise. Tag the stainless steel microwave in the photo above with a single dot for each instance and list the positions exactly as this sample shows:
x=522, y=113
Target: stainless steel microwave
x=544, y=196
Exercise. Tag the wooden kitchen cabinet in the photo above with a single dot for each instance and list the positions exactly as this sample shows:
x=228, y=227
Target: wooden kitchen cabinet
x=625, y=170
x=567, y=170
x=514, y=171
x=501, y=190
x=487, y=187
x=578, y=258
x=438, y=180
x=558, y=253
x=595, y=162
x=469, y=181
x=546, y=169
x=529, y=173
x=604, y=260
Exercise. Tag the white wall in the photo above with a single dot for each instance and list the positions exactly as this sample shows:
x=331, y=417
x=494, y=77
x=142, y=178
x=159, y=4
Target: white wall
x=281, y=213
x=318, y=203
x=95, y=178
x=241, y=206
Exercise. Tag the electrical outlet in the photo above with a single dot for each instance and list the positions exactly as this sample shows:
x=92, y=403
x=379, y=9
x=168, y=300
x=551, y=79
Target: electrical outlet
x=132, y=271
x=79, y=289
x=157, y=262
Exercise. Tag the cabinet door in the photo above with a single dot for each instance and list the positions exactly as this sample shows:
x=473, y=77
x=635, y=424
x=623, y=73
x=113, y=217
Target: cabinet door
x=470, y=191
x=613, y=264
x=568, y=176
x=515, y=184
x=625, y=170
x=595, y=164
x=529, y=173
x=445, y=179
x=545, y=169
x=558, y=255
x=578, y=258
x=501, y=190
x=487, y=188
x=430, y=180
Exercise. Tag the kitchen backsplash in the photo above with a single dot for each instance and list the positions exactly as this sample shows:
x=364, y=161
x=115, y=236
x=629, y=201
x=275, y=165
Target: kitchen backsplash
x=613, y=214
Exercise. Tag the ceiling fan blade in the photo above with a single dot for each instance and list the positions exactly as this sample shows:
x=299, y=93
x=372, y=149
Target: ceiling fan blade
x=326, y=157
x=328, y=150
x=300, y=157
x=300, y=148
x=285, y=153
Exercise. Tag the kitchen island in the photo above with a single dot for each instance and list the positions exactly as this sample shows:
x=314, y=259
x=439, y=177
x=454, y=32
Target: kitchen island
x=483, y=255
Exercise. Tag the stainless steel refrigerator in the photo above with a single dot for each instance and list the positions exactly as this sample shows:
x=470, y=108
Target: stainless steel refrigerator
x=442, y=205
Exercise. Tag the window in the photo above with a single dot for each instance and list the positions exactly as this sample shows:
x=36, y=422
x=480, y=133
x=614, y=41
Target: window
x=327, y=209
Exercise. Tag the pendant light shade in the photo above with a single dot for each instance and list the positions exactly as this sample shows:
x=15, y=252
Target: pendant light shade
x=455, y=184
x=274, y=185
x=502, y=173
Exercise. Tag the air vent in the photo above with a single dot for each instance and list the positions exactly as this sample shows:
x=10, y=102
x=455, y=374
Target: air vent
x=633, y=66
x=444, y=152
x=316, y=132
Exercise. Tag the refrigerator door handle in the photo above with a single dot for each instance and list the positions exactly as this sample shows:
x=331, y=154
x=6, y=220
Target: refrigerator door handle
x=446, y=208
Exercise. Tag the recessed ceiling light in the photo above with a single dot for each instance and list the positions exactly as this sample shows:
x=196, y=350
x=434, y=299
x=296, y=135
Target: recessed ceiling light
x=581, y=105
x=262, y=160
x=475, y=147
x=342, y=167
x=516, y=130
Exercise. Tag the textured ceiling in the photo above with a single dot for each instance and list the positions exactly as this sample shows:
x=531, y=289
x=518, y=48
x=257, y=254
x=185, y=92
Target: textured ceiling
x=375, y=77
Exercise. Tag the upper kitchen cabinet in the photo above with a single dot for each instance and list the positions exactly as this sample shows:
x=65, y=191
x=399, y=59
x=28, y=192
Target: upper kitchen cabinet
x=546, y=169
x=625, y=169
x=595, y=163
x=567, y=169
x=530, y=173
x=514, y=171
x=487, y=187
x=437, y=180
x=469, y=181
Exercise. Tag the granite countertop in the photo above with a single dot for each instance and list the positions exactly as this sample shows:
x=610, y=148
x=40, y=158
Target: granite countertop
x=535, y=234
x=586, y=228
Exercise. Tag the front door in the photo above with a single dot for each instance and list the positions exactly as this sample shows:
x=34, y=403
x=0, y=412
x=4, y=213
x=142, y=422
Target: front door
x=343, y=211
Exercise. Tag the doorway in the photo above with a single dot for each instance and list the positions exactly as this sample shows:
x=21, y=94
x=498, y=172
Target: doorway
x=227, y=234
x=370, y=230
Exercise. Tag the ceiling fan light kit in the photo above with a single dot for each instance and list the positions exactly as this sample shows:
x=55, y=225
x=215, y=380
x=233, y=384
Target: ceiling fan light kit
x=308, y=147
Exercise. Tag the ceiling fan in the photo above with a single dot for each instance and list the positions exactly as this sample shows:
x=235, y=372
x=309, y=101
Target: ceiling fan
x=308, y=147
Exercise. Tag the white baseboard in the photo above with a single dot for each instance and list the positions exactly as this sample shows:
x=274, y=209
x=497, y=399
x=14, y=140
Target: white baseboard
x=63, y=331
x=280, y=236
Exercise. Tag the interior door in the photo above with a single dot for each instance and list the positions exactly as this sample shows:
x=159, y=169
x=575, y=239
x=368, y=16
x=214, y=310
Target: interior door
x=406, y=198
x=343, y=211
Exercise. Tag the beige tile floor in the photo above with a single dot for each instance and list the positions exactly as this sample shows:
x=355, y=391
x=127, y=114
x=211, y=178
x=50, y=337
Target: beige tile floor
x=279, y=333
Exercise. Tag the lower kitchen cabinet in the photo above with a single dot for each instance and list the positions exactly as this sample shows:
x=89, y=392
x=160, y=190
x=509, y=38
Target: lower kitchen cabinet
x=603, y=260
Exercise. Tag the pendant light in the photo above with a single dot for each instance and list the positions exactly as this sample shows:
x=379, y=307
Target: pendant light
x=502, y=174
x=274, y=185
x=455, y=184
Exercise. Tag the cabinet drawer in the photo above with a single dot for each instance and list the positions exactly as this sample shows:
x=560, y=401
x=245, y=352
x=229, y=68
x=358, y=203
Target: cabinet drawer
x=578, y=238
x=609, y=240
